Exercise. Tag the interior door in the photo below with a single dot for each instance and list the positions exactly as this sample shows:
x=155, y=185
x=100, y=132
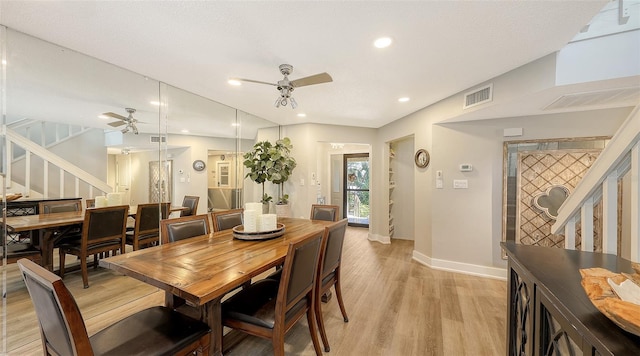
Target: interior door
x=123, y=177
x=356, y=189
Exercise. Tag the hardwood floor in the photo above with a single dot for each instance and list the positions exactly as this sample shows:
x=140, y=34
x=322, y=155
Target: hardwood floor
x=396, y=306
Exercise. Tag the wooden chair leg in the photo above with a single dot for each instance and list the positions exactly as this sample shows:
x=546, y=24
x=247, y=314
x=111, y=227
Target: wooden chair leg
x=278, y=345
x=62, y=255
x=312, y=330
x=339, y=297
x=85, y=272
x=320, y=319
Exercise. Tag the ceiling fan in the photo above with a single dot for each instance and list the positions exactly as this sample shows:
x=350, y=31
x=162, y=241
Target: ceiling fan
x=130, y=121
x=286, y=86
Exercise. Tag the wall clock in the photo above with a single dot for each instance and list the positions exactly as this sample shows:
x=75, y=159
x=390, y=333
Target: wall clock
x=422, y=158
x=198, y=165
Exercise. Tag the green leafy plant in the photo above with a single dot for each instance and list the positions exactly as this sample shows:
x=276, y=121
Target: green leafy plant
x=260, y=165
x=270, y=163
x=284, y=165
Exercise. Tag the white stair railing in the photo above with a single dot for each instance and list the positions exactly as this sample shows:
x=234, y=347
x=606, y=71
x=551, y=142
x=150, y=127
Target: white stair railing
x=80, y=176
x=619, y=158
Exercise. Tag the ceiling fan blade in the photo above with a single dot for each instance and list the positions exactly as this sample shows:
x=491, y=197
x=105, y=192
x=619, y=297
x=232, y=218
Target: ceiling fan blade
x=116, y=123
x=312, y=79
x=255, y=81
x=114, y=115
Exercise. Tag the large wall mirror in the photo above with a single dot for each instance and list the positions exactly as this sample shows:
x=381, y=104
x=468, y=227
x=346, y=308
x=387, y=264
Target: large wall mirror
x=538, y=176
x=67, y=133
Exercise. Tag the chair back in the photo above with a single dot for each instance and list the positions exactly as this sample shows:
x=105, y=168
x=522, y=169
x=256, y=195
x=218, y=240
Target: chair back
x=62, y=328
x=59, y=206
x=331, y=252
x=104, y=225
x=299, y=272
x=191, y=202
x=184, y=227
x=90, y=203
x=147, y=225
x=325, y=212
x=228, y=219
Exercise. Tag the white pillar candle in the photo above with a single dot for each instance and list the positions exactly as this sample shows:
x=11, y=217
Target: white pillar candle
x=101, y=201
x=267, y=222
x=254, y=206
x=259, y=222
x=114, y=199
x=250, y=220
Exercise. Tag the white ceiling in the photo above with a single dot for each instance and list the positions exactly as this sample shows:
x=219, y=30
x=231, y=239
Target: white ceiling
x=440, y=47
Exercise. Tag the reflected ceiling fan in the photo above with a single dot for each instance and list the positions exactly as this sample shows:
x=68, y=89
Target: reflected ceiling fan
x=286, y=86
x=130, y=121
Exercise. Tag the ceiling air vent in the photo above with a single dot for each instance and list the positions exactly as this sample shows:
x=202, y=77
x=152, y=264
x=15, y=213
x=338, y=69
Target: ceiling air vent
x=156, y=139
x=599, y=98
x=478, y=96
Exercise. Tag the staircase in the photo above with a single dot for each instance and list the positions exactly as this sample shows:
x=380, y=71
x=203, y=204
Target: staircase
x=20, y=148
x=620, y=206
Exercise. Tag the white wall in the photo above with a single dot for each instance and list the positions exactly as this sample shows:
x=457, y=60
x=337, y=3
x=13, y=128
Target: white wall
x=466, y=229
x=305, y=138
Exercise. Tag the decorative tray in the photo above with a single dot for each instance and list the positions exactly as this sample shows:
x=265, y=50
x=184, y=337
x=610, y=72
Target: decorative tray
x=240, y=234
x=599, y=285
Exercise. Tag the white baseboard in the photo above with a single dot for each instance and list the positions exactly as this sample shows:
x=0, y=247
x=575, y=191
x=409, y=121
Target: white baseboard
x=380, y=238
x=459, y=267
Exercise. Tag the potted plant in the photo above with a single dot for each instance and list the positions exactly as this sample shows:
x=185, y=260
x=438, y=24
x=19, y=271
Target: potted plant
x=284, y=165
x=260, y=165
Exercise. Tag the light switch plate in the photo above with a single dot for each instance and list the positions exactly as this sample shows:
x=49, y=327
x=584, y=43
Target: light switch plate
x=460, y=184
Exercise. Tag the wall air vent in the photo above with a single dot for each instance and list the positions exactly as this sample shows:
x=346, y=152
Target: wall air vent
x=612, y=97
x=478, y=96
x=156, y=139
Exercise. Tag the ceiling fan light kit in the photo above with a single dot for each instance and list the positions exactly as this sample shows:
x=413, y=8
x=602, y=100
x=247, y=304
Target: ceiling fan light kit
x=285, y=86
x=130, y=121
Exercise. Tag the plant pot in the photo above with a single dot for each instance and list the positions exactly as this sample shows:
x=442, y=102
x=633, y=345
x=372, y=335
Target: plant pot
x=283, y=210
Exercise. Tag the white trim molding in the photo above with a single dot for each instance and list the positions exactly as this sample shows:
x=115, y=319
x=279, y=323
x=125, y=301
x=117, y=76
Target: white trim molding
x=459, y=267
x=386, y=240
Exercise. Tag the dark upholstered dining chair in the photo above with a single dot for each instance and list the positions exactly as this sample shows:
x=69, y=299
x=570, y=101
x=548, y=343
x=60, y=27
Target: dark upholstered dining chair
x=270, y=308
x=325, y=212
x=329, y=273
x=146, y=230
x=191, y=202
x=153, y=331
x=103, y=230
x=227, y=219
x=184, y=227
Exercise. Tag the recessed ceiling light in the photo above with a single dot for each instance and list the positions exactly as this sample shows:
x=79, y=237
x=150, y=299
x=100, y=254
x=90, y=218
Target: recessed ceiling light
x=104, y=117
x=156, y=103
x=403, y=99
x=302, y=114
x=4, y=62
x=234, y=82
x=235, y=124
x=383, y=42
x=184, y=131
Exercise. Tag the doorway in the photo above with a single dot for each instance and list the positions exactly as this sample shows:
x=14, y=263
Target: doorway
x=356, y=204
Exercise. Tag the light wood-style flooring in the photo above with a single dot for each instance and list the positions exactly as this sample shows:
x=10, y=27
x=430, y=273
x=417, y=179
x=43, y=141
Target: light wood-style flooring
x=396, y=306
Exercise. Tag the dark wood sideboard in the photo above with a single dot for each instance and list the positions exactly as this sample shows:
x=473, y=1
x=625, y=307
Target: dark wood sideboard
x=548, y=311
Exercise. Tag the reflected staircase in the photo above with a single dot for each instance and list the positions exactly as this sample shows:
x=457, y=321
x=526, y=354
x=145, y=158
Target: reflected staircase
x=20, y=147
x=618, y=162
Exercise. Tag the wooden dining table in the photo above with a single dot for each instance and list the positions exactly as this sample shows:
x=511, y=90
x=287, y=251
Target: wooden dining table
x=49, y=224
x=201, y=270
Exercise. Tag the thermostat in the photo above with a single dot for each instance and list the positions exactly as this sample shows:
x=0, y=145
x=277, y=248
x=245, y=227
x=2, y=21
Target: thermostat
x=466, y=167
